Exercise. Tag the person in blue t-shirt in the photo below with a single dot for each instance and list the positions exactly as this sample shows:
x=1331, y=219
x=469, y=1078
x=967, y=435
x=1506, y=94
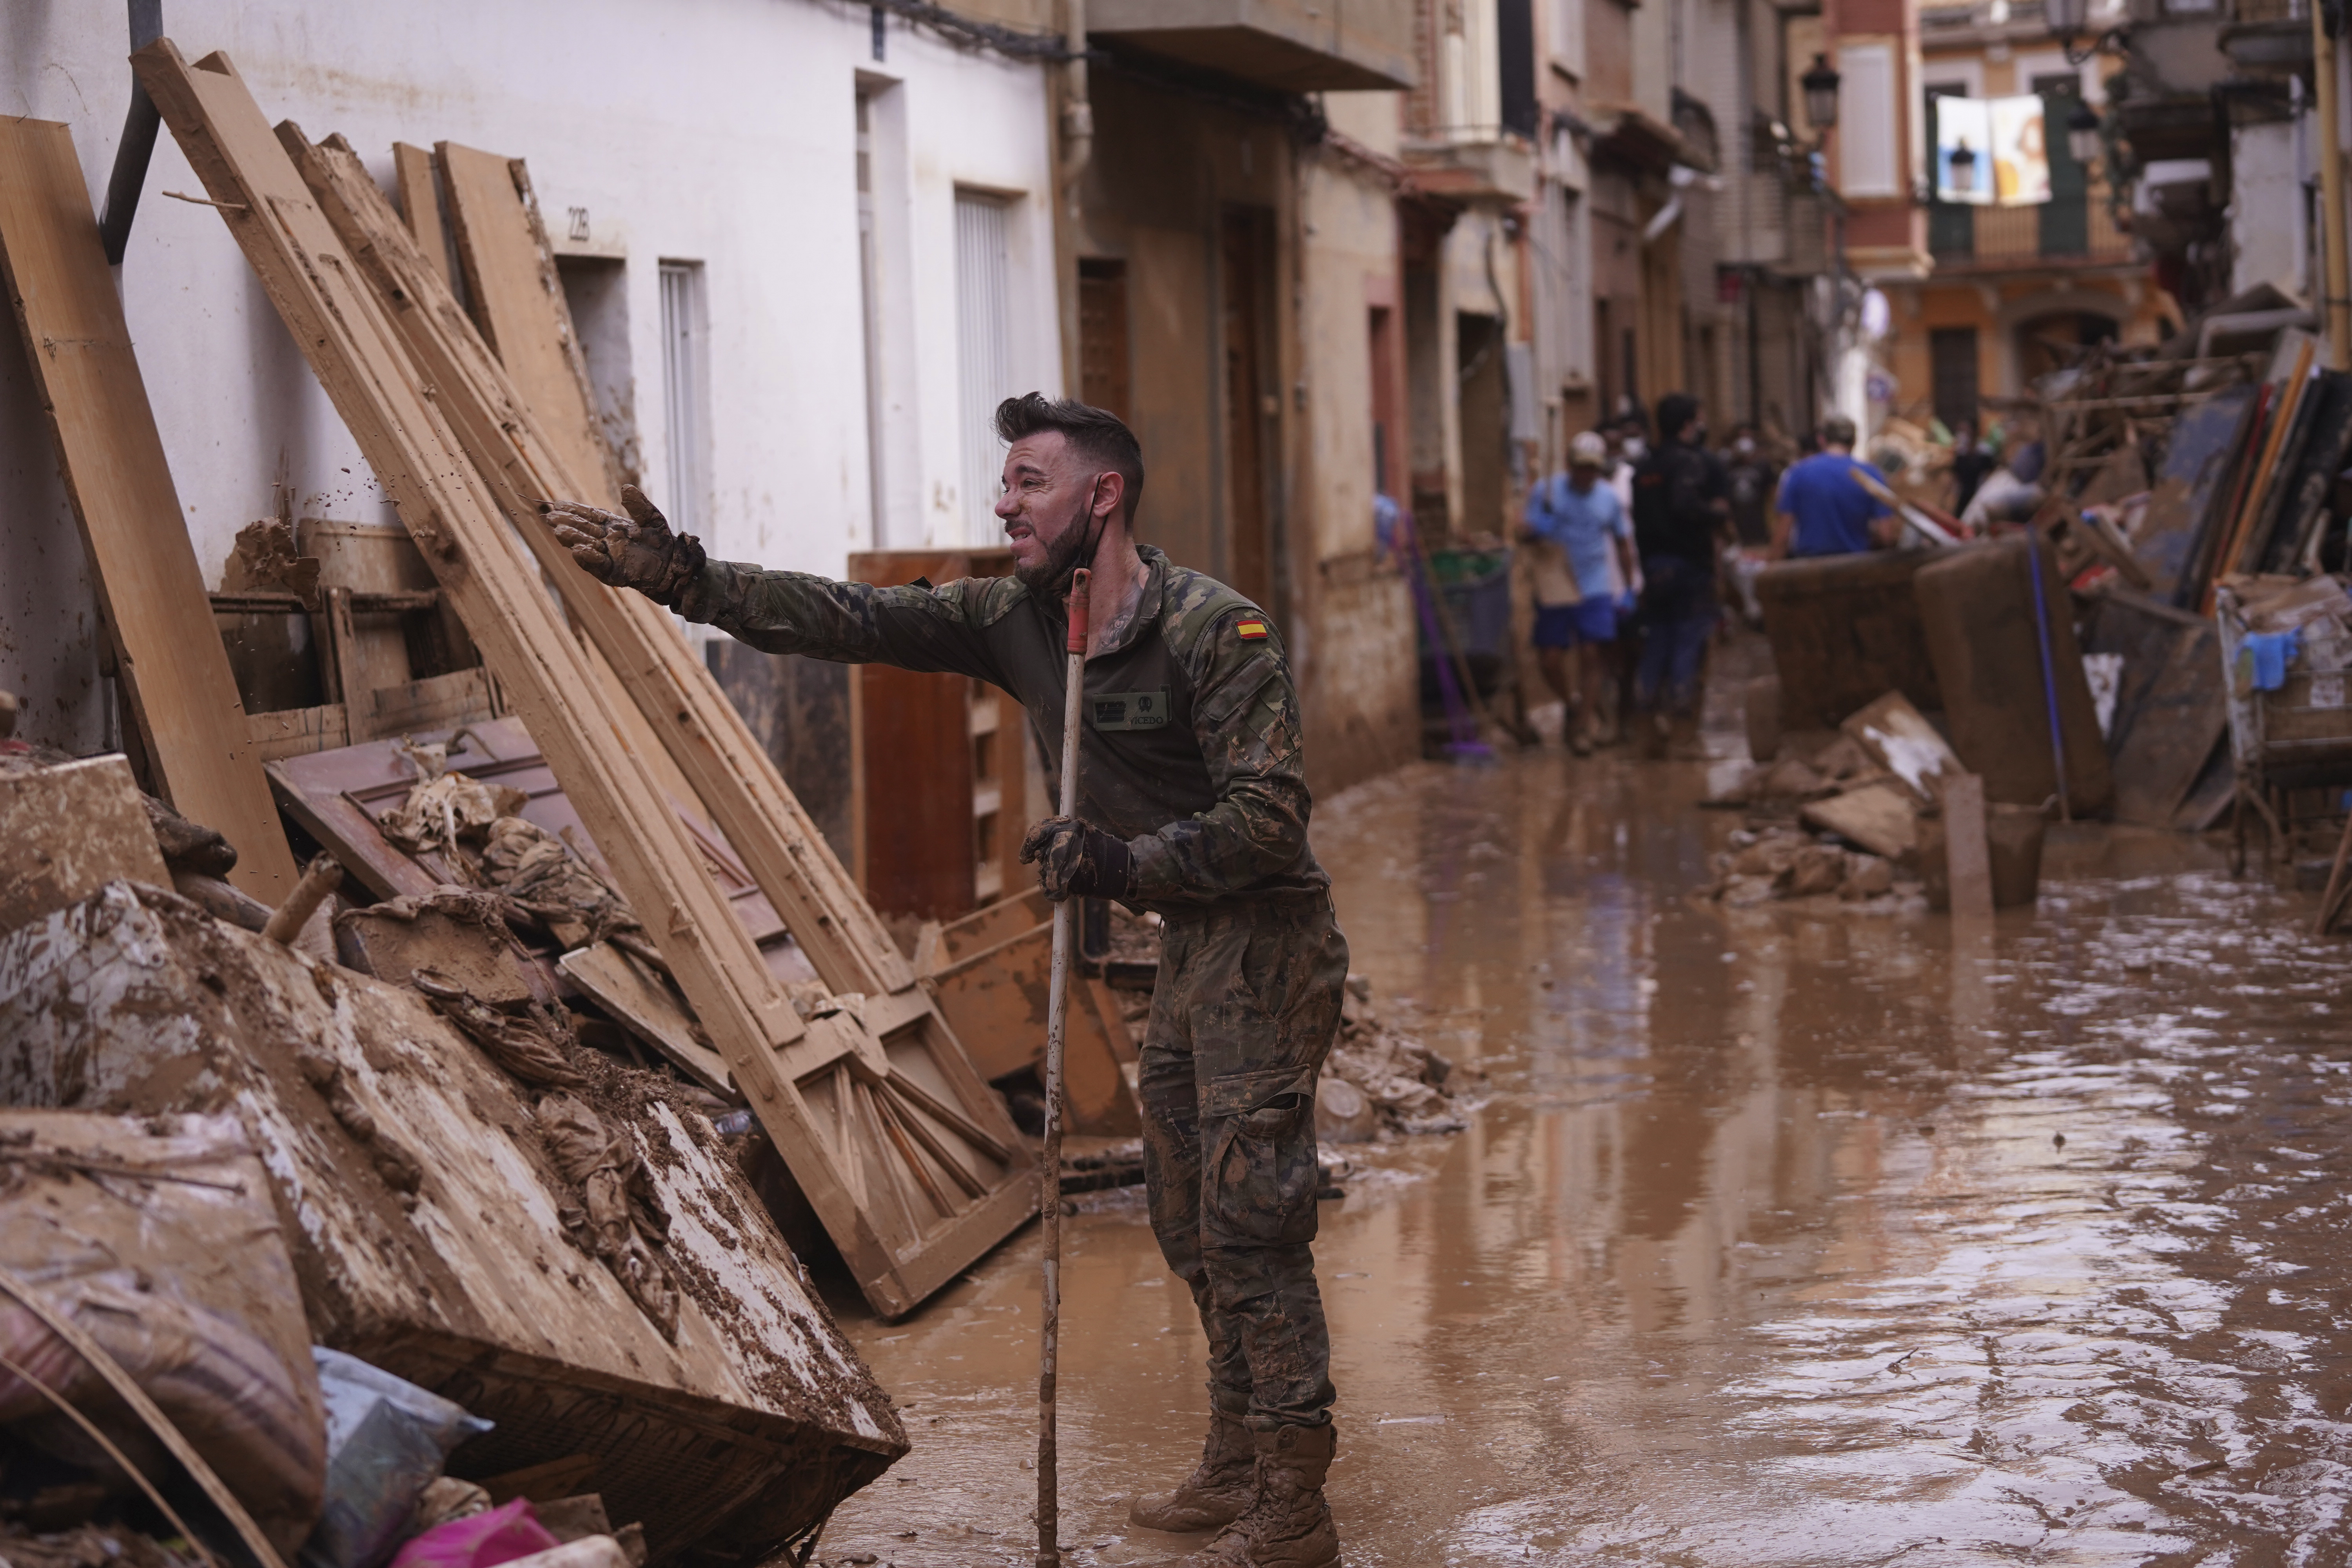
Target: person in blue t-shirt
x=1822, y=509
x=1576, y=607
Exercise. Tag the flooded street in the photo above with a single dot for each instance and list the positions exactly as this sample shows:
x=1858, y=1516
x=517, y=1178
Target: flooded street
x=1783, y=1237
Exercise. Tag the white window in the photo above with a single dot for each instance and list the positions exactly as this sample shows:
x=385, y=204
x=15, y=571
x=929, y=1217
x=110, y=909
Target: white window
x=685, y=390
x=984, y=349
x=1869, y=156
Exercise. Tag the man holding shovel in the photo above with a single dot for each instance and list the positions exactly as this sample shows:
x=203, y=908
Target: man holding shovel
x=1193, y=803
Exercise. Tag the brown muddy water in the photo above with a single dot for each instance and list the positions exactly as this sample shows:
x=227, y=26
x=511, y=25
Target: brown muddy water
x=1783, y=1238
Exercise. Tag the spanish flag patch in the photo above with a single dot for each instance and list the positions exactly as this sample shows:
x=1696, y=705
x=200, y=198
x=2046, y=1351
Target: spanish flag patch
x=1250, y=630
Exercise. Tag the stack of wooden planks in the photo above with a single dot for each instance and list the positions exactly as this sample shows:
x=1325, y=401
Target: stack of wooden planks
x=900, y=1149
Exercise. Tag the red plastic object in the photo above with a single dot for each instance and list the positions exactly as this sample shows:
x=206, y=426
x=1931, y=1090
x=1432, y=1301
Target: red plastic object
x=484, y=1541
x=1081, y=584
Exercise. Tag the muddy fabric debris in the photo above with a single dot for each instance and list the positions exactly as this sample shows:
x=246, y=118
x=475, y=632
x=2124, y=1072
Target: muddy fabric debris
x=618, y=1218
x=536, y=1047
x=547, y=876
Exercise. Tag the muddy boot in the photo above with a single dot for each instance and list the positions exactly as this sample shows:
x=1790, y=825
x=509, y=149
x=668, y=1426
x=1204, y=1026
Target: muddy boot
x=1289, y=1525
x=1216, y=1491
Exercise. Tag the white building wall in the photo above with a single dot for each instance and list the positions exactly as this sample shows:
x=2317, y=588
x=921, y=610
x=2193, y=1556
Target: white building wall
x=721, y=131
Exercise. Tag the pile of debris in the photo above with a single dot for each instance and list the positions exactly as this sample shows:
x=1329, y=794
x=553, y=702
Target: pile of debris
x=1378, y=1083
x=548, y=1248
x=1856, y=798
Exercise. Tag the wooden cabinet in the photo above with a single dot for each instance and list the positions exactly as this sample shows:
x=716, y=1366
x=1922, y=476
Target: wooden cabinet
x=940, y=766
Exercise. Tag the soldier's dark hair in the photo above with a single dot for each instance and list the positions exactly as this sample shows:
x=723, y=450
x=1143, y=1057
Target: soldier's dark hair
x=1096, y=434
x=1676, y=411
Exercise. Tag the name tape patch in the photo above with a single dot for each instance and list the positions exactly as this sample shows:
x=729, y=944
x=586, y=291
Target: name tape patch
x=1130, y=710
x=1250, y=629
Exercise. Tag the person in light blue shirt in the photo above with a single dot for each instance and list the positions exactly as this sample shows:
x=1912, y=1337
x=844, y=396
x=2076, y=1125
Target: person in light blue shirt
x=1822, y=509
x=1578, y=523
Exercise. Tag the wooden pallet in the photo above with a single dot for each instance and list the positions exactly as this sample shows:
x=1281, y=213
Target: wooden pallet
x=903, y=1154
x=176, y=683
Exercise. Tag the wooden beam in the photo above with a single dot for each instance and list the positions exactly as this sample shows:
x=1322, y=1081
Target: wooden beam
x=361, y=360
x=518, y=304
x=175, y=674
x=420, y=204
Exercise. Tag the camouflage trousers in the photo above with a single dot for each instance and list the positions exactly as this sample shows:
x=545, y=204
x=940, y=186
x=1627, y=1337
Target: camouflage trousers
x=1243, y=1014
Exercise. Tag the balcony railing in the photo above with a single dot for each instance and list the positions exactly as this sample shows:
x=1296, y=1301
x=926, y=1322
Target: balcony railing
x=2075, y=227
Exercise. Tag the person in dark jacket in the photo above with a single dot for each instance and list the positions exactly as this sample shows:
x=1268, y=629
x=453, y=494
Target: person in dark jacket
x=1682, y=514
x=1192, y=803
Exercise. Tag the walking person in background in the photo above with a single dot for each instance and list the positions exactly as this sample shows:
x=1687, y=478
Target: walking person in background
x=1971, y=464
x=1581, y=531
x=1682, y=511
x=1822, y=510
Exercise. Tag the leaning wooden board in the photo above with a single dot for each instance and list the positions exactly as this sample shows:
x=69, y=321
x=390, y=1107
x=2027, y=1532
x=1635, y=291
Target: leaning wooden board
x=518, y=304
x=903, y=1154
x=939, y=1202
x=175, y=674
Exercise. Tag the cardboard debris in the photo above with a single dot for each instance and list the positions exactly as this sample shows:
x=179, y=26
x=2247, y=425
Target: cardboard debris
x=1903, y=743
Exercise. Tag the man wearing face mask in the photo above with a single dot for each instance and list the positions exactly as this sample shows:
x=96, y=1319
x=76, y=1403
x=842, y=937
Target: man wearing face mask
x=1192, y=803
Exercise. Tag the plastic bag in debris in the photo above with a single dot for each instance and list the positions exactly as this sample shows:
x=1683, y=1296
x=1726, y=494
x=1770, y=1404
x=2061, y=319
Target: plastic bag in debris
x=386, y=1441
x=483, y=1541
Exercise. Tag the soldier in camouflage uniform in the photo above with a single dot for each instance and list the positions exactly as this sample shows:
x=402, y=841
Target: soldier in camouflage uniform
x=1192, y=803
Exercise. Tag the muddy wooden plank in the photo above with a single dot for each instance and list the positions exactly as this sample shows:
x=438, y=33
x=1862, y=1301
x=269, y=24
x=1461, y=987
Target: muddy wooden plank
x=2180, y=714
x=517, y=300
x=168, y=655
x=1967, y=857
x=642, y=1003
x=420, y=204
x=297, y=731
x=1898, y=738
x=66, y=831
x=1880, y=817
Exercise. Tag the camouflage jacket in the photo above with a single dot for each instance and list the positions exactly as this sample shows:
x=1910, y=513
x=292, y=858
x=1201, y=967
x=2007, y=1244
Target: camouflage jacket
x=1192, y=754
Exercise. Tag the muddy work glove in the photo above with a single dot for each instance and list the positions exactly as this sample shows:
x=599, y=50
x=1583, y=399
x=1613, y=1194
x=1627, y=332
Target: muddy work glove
x=1076, y=857
x=634, y=552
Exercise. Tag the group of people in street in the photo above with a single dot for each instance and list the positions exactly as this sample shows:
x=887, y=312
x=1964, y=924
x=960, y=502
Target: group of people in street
x=1636, y=545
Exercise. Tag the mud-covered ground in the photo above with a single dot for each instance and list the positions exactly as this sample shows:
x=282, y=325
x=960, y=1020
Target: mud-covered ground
x=1784, y=1237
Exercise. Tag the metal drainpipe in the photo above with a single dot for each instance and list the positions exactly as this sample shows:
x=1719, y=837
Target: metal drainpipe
x=2337, y=290
x=1077, y=147
x=138, y=144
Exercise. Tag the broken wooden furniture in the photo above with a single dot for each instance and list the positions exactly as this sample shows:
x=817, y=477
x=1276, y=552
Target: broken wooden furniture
x=390, y=656
x=898, y=1146
x=421, y=1192
x=939, y=767
x=178, y=694
x=989, y=972
x=340, y=797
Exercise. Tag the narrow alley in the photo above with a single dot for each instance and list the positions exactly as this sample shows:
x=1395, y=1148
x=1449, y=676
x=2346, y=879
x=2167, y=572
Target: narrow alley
x=1780, y=1238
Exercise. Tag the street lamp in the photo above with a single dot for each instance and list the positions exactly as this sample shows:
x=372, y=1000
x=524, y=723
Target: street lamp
x=2083, y=134
x=1821, y=85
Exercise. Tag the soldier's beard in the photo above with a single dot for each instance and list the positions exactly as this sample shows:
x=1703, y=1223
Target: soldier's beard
x=1065, y=555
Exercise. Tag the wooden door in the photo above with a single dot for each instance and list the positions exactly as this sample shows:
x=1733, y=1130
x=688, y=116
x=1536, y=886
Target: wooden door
x=939, y=767
x=1104, y=379
x=1243, y=258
